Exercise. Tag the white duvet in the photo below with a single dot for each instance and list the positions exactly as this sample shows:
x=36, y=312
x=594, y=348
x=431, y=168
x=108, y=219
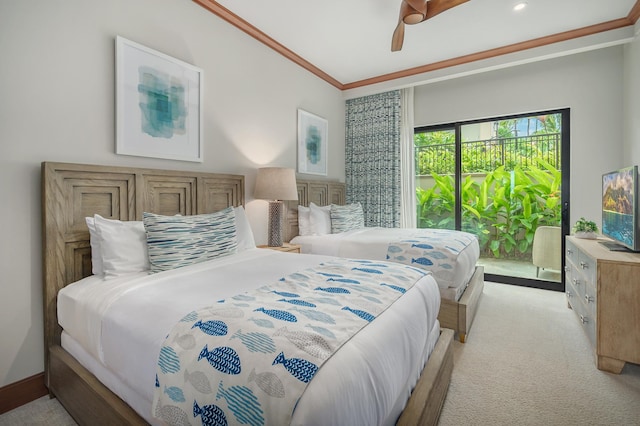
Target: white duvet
x=373, y=242
x=116, y=328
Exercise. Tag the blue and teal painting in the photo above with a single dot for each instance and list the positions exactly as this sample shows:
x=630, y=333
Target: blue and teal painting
x=313, y=142
x=162, y=104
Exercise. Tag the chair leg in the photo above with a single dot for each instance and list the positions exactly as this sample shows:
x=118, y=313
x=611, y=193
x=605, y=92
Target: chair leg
x=537, y=271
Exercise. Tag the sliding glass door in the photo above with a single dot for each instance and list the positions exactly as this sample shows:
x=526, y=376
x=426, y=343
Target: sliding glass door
x=504, y=180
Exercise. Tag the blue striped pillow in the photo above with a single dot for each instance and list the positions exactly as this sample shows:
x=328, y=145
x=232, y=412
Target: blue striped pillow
x=346, y=218
x=176, y=241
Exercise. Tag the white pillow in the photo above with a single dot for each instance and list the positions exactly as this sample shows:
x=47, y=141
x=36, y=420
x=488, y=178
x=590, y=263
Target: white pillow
x=244, y=234
x=96, y=250
x=123, y=246
x=320, y=219
x=304, y=221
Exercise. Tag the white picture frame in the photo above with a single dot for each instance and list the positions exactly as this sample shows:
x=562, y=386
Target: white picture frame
x=158, y=104
x=313, y=140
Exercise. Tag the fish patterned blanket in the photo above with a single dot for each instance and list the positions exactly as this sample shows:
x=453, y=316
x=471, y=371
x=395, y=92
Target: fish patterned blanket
x=248, y=359
x=435, y=250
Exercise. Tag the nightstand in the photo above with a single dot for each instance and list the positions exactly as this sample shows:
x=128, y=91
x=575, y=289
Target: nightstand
x=291, y=248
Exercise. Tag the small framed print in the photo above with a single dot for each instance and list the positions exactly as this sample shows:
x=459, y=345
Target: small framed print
x=313, y=134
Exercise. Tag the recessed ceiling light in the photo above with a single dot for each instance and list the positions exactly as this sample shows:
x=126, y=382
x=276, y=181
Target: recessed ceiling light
x=520, y=6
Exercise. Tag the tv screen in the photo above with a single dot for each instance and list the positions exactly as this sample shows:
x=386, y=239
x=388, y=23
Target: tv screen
x=620, y=206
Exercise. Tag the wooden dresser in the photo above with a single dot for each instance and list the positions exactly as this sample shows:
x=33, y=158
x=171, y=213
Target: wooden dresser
x=603, y=289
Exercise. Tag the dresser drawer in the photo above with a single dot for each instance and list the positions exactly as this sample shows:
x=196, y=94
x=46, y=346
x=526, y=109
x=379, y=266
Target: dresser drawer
x=585, y=318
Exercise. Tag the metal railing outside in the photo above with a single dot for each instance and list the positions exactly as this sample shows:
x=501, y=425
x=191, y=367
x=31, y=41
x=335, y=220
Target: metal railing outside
x=486, y=155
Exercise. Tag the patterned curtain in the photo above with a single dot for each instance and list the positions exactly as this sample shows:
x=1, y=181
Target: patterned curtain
x=372, y=157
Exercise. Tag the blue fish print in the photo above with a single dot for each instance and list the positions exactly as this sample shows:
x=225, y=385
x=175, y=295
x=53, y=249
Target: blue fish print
x=317, y=316
x=285, y=294
x=326, y=274
x=298, y=276
x=212, y=415
x=401, y=258
x=262, y=322
x=278, y=314
x=298, y=302
x=422, y=261
x=333, y=290
x=223, y=359
x=326, y=300
x=157, y=382
x=373, y=299
x=437, y=255
x=212, y=328
x=362, y=314
x=256, y=342
x=243, y=404
x=322, y=330
x=243, y=297
x=191, y=316
x=455, y=250
x=394, y=287
x=422, y=246
x=394, y=249
x=367, y=270
x=344, y=280
x=168, y=360
x=268, y=382
x=175, y=393
x=299, y=368
x=446, y=266
x=199, y=381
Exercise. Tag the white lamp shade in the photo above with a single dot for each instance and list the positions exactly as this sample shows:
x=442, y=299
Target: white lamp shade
x=276, y=183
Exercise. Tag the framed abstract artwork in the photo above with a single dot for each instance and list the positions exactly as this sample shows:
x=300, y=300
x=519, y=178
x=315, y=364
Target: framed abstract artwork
x=313, y=132
x=158, y=104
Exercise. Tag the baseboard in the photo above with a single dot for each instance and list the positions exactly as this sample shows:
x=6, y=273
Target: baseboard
x=19, y=393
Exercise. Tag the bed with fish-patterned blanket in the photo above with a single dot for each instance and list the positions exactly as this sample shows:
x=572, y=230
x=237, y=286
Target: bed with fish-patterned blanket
x=249, y=358
x=450, y=255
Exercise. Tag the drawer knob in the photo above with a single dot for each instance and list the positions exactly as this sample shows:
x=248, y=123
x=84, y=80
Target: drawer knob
x=576, y=281
x=584, y=265
x=569, y=251
x=588, y=298
x=566, y=268
x=583, y=319
x=569, y=294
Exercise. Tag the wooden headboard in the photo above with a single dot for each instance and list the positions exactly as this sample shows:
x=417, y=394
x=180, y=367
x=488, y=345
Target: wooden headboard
x=320, y=192
x=70, y=192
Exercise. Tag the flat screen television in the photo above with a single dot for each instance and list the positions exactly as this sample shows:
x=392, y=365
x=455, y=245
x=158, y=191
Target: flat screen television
x=620, y=209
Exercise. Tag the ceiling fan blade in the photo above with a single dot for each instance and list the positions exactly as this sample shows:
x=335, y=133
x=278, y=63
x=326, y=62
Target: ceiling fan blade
x=398, y=37
x=439, y=6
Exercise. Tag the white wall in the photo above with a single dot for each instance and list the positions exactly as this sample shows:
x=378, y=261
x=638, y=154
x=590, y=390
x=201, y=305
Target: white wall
x=57, y=104
x=589, y=83
x=632, y=100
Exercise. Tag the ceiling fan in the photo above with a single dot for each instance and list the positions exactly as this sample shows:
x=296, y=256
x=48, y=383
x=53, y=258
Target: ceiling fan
x=416, y=11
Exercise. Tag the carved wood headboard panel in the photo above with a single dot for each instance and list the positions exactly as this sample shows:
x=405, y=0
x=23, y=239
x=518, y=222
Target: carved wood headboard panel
x=320, y=192
x=70, y=192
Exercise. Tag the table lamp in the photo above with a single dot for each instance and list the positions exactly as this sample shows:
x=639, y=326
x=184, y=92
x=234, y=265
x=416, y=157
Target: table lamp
x=276, y=184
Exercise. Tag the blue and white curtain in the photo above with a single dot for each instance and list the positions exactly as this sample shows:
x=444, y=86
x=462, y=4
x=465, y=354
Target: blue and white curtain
x=372, y=157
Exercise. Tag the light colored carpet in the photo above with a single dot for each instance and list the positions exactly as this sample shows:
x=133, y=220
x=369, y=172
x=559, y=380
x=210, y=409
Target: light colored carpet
x=526, y=362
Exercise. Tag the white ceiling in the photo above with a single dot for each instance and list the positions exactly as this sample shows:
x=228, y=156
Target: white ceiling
x=350, y=40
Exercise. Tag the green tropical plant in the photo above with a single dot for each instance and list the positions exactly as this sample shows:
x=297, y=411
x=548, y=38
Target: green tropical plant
x=503, y=209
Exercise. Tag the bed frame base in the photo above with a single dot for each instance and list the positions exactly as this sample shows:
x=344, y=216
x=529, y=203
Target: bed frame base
x=83, y=396
x=459, y=315
x=86, y=399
